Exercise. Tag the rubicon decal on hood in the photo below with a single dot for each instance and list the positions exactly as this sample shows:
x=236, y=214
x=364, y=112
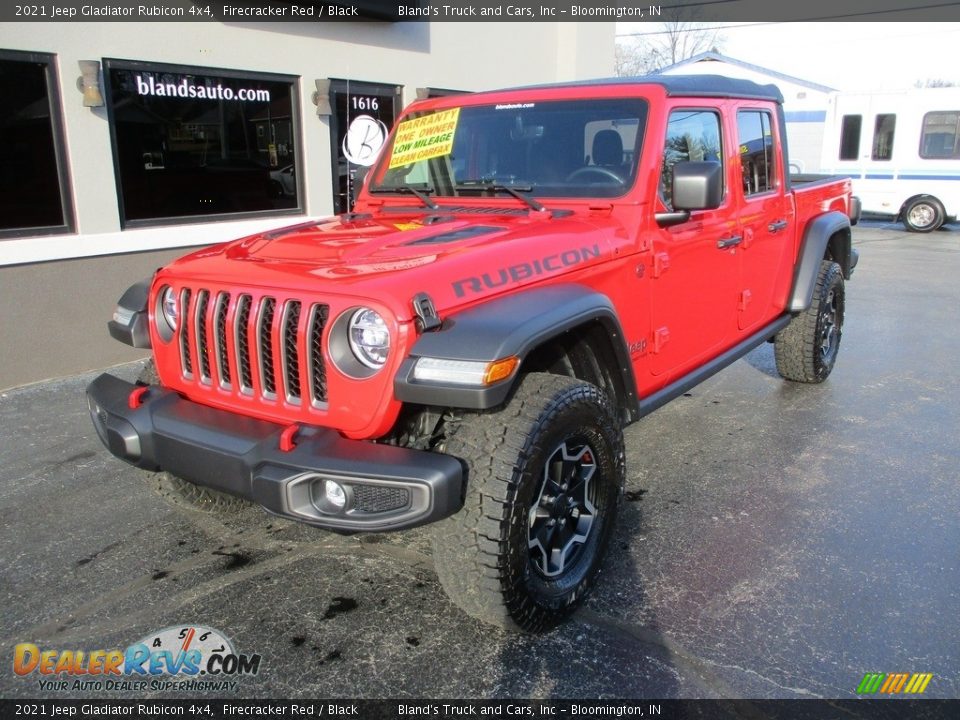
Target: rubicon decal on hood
x=547, y=265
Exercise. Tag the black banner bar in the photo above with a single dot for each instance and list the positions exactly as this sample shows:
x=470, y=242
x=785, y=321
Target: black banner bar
x=406, y=709
x=477, y=10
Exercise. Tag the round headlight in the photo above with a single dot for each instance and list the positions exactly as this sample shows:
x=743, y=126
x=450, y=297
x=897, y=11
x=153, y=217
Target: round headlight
x=170, y=308
x=369, y=338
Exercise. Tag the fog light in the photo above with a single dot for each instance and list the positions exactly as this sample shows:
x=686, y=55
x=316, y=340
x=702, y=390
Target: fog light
x=334, y=494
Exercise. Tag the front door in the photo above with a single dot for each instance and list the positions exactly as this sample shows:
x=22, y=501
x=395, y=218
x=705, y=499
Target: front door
x=694, y=273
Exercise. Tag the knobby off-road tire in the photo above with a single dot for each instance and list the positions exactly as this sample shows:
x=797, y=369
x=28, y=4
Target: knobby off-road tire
x=181, y=493
x=806, y=350
x=545, y=480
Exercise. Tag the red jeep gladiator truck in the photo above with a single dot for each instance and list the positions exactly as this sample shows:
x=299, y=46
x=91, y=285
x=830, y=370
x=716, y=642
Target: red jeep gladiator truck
x=525, y=272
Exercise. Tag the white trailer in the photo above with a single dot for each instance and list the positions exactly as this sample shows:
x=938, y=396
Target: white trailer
x=902, y=150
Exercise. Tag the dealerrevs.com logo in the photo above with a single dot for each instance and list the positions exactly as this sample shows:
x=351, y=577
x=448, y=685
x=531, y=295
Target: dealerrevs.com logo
x=185, y=657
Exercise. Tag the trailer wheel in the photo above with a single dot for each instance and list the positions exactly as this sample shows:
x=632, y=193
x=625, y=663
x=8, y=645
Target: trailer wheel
x=923, y=214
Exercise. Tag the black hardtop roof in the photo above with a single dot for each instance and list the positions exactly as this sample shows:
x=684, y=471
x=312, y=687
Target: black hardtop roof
x=684, y=86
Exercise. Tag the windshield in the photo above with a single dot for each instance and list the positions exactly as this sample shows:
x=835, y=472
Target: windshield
x=579, y=148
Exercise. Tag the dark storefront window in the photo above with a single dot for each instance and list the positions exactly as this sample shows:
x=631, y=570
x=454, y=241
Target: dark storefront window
x=33, y=178
x=192, y=142
x=363, y=114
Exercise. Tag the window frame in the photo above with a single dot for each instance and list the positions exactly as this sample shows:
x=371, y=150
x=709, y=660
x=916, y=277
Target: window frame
x=956, y=136
x=773, y=180
x=843, y=129
x=232, y=74
x=64, y=182
x=717, y=111
x=878, y=120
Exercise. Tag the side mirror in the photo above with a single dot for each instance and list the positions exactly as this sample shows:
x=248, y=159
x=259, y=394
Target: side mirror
x=696, y=186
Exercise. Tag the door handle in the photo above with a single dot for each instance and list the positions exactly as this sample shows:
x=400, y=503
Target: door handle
x=729, y=242
x=777, y=226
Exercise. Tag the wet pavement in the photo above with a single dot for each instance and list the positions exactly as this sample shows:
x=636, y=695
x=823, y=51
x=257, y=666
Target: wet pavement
x=778, y=540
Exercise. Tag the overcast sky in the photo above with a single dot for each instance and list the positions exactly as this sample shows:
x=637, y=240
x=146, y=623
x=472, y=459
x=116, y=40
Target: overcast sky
x=846, y=56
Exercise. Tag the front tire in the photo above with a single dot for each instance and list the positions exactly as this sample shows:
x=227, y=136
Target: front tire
x=545, y=479
x=806, y=350
x=923, y=214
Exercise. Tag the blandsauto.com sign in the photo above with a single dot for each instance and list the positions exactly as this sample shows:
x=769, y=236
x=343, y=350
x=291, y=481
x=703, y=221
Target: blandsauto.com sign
x=195, y=89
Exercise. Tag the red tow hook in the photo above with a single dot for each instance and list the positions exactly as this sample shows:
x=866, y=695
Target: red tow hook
x=286, y=438
x=136, y=397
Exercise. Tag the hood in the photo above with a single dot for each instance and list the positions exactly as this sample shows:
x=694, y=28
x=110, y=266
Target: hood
x=456, y=259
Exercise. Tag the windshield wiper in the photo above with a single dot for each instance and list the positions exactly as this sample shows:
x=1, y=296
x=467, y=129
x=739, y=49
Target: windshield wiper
x=515, y=190
x=421, y=195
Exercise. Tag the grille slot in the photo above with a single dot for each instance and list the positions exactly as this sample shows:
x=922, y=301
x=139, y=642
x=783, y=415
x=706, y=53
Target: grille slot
x=379, y=499
x=243, y=343
x=220, y=339
x=265, y=344
x=200, y=323
x=318, y=368
x=291, y=360
x=186, y=362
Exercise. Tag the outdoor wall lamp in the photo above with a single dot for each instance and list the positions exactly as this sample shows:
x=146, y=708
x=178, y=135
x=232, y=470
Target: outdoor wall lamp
x=89, y=83
x=321, y=98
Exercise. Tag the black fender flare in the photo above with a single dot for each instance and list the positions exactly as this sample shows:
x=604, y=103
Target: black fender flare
x=130, y=324
x=828, y=231
x=510, y=326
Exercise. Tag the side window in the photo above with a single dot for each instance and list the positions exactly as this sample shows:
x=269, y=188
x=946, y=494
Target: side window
x=755, y=135
x=940, y=137
x=691, y=135
x=850, y=137
x=883, y=137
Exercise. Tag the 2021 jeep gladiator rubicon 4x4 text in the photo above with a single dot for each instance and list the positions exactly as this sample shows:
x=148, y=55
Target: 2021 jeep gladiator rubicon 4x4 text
x=525, y=272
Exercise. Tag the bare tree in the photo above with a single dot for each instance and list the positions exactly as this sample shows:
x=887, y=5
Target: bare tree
x=669, y=43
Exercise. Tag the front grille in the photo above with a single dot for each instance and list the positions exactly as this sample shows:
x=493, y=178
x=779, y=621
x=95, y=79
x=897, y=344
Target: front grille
x=247, y=345
x=379, y=499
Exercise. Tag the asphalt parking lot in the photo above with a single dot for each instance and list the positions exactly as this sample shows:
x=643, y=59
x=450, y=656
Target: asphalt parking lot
x=779, y=541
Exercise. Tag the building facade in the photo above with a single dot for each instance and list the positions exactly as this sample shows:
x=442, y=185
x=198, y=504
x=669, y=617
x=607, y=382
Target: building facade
x=128, y=142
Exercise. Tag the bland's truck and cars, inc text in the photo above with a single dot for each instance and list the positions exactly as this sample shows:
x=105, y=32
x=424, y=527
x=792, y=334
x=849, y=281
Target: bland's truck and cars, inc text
x=524, y=273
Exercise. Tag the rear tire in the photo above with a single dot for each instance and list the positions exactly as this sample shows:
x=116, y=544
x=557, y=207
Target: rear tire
x=178, y=492
x=923, y=214
x=545, y=479
x=806, y=350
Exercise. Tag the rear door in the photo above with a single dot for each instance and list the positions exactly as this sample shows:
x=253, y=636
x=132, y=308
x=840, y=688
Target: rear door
x=766, y=218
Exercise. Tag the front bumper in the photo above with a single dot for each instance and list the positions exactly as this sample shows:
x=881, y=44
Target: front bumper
x=387, y=487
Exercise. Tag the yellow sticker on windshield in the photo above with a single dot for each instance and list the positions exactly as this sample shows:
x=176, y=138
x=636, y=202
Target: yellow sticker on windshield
x=424, y=137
